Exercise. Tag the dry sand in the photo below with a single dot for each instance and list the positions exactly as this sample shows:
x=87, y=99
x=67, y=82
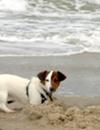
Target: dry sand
x=54, y=115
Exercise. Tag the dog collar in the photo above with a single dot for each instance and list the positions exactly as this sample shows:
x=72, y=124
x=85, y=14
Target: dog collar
x=41, y=94
x=43, y=98
x=49, y=95
x=27, y=88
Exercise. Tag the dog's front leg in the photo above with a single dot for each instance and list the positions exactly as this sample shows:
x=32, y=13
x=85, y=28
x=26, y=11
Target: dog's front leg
x=4, y=108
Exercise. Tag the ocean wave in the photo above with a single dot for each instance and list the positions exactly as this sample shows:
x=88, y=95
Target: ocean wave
x=64, y=5
x=40, y=6
x=68, y=44
x=49, y=27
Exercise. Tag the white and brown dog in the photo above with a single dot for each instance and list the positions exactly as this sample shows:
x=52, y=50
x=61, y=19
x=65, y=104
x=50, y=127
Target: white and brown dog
x=35, y=91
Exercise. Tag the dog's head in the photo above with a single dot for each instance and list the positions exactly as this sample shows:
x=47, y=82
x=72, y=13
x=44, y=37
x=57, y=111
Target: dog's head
x=51, y=79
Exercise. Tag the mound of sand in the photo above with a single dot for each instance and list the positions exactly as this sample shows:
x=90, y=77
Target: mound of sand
x=59, y=115
x=55, y=115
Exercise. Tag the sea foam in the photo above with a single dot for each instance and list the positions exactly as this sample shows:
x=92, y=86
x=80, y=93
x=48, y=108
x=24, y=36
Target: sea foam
x=13, y=5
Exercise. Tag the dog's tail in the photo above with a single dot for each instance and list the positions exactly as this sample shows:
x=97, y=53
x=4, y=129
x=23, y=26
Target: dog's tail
x=10, y=101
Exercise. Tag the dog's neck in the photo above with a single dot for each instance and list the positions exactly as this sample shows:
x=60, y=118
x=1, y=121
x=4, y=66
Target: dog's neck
x=43, y=93
x=48, y=94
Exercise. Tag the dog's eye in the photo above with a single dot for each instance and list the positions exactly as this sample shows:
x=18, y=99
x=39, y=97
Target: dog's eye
x=47, y=80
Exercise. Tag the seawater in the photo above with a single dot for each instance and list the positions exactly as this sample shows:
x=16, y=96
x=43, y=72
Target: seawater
x=49, y=27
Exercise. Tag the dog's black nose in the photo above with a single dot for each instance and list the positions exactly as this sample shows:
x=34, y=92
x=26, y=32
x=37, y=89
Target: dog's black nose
x=52, y=89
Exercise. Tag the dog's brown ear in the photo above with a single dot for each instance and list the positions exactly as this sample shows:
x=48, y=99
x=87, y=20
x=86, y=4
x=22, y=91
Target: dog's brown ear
x=42, y=75
x=61, y=76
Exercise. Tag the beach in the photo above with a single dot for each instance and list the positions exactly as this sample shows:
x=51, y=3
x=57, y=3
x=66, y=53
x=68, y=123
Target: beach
x=76, y=103
x=56, y=116
x=61, y=35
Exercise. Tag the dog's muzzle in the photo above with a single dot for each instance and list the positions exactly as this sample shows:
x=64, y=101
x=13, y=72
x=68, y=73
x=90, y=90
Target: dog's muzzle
x=52, y=90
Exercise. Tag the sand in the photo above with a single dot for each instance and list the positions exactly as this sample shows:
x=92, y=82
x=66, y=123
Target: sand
x=76, y=104
x=54, y=115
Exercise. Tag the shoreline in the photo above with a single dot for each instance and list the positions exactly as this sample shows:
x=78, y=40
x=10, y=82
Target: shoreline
x=63, y=55
x=82, y=71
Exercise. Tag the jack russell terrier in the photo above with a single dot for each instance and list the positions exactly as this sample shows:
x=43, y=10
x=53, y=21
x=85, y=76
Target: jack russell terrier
x=34, y=91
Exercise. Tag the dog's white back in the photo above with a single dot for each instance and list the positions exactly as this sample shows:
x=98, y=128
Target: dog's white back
x=13, y=85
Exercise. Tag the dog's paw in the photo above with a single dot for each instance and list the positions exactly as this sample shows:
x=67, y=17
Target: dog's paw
x=47, y=102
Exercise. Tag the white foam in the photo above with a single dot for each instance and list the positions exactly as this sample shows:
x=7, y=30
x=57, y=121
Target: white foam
x=93, y=1
x=13, y=5
x=19, y=39
x=42, y=54
x=88, y=44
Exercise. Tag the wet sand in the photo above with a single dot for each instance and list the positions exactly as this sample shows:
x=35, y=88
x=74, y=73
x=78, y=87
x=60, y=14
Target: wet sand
x=82, y=70
x=77, y=102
